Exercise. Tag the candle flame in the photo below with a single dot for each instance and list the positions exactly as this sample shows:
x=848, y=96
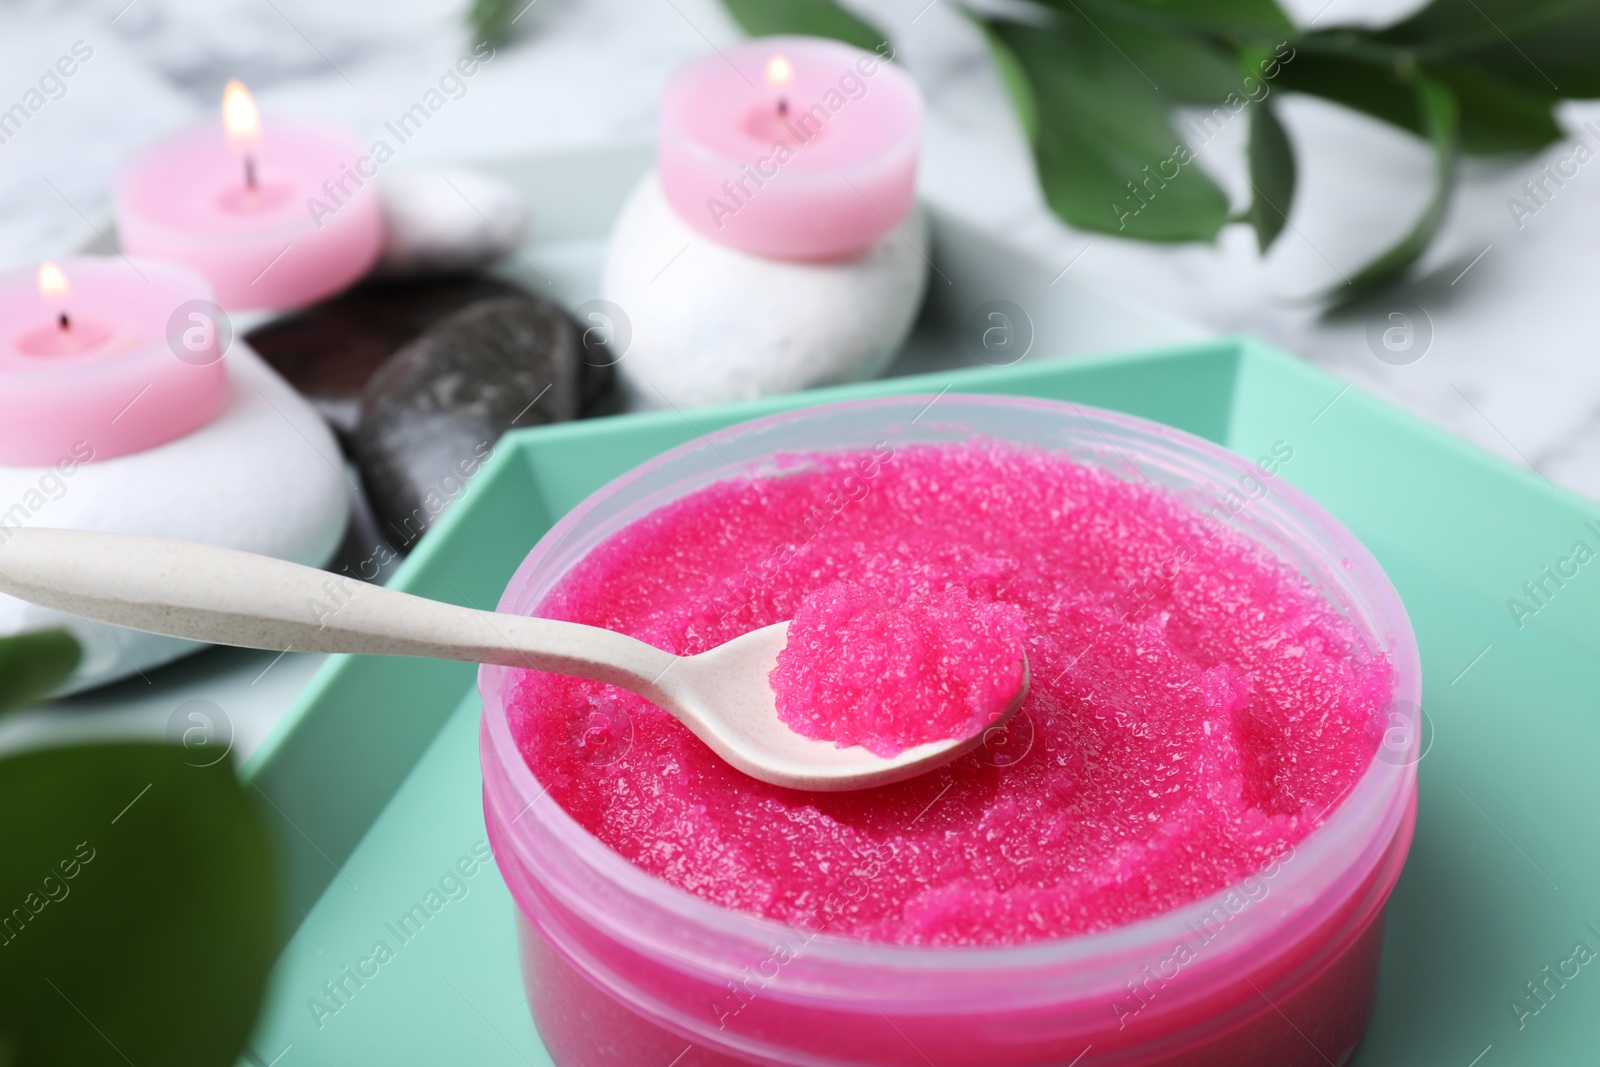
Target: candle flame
x=780, y=72
x=52, y=282
x=240, y=119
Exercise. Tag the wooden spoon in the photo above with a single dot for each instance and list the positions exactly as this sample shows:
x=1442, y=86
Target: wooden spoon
x=227, y=597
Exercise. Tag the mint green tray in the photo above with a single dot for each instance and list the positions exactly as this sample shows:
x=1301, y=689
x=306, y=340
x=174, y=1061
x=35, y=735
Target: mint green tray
x=375, y=785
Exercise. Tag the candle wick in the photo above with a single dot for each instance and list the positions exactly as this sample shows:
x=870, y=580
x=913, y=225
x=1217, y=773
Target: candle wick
x=249, y=173
x=783, y=106
x=65, y=322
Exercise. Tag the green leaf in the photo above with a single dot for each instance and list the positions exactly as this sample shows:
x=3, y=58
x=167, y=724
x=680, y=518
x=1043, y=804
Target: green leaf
x=1107, y=156
x=1226, y=16
x=491, y=20
x=1271, y=174
x=1095, y=85
x=1179, y=60
x=1336, y=68
x=1544, y=46
x=1497, y=116
x=1437, y=107
x=34, y=665
x=1354, y=69
x=1185, y=70
x=139, y=902
x=814, y=18
x=1014, y=78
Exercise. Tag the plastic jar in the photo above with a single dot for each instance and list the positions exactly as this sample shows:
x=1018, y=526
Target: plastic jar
x=1279, y=971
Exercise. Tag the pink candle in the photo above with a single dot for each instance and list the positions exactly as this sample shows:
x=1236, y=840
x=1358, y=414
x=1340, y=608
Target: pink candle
x=89, y=363
x=274, y=216
x=791, y=147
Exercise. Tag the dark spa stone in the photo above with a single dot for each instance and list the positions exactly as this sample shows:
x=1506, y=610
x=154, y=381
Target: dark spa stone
x=329, y=352
x=432, y=415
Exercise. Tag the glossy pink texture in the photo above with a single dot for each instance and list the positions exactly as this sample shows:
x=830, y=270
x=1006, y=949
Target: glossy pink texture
x=111, y=384
x=822, y=180
x=858, y=670
x=310, y=228
x=1196, y=707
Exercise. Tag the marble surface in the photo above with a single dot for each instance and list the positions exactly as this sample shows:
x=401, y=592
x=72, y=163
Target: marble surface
x=1509, y=365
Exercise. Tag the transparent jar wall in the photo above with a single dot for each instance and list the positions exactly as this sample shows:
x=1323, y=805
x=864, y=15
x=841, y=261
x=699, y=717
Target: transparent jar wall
x=1309, y=1016
x=662, y=957
x=583, y=1026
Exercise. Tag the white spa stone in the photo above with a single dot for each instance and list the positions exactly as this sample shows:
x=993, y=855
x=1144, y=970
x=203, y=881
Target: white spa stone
x=436, y=221
x=264, y=476
x=710, y=324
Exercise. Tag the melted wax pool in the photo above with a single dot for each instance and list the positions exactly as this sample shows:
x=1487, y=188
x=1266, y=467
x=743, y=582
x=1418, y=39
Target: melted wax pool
x=1195, y=705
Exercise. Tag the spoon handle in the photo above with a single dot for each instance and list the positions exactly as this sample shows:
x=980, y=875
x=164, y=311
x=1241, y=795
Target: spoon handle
x=227, y=597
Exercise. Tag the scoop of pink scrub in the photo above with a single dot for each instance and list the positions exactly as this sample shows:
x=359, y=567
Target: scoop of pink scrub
x=858, y=671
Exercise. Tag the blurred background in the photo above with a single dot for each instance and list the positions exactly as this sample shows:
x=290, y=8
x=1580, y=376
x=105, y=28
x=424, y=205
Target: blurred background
x=1509, y=361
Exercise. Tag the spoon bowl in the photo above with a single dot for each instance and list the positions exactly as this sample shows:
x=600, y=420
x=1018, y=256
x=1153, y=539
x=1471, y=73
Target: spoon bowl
x=723, y=696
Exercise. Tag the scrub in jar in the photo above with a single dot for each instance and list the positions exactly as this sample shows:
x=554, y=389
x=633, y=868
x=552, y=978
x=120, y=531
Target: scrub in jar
x=1195, y=708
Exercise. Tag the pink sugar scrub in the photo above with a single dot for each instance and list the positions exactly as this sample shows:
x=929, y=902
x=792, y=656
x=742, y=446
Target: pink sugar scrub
x=1196, y=707
x=858, y=671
